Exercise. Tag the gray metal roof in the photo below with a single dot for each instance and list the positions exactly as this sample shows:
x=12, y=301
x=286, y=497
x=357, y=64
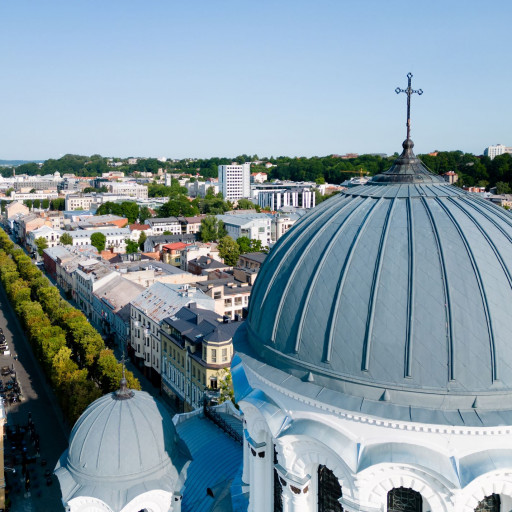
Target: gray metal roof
x=407, y=169
x=194, y=322
x=397, y=292
x=162, y=300
x=120, y=448
x=216, y=458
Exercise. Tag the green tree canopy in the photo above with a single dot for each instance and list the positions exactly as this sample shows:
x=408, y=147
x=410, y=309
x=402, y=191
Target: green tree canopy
x=246, y=244
x=142, y=239
x=66, y=239
x=503, y=188
x=144, y=214
x=41, y=244
x=98, y=240
x=58, y=204
x=229, y=251
x=131, y=246
x=127, y=209
x=212, y=229
x=245, y=204
x=178, y=206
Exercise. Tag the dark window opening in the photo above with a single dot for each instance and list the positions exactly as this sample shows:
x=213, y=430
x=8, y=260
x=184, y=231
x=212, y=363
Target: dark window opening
x=329, y=491
x=490, y=503
x=401, y=499
x=278, y=488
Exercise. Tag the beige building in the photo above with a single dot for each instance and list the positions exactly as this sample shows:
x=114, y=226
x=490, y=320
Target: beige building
x=229, y=295
x=197, y=350
x=15, y=208
x=147, y=311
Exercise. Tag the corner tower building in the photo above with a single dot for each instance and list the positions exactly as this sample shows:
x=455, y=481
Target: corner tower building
x=374, y=370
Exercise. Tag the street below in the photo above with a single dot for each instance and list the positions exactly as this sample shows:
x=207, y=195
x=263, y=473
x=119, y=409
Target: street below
x=36, y=431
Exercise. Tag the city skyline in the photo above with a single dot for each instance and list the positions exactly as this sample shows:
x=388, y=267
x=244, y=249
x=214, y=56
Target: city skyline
x=202, y=80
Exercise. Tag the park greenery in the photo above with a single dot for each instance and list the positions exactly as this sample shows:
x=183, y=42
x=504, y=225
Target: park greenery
x=71, y=352
x=98, y=240
x=228, y=251
x=127, y=209
x=66, y=239
x=246, y=244
x=41, y=245
x=473, y=170
x=212, y=229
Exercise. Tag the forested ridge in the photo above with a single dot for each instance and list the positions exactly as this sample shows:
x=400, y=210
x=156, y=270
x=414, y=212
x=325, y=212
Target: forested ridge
x=472, y=170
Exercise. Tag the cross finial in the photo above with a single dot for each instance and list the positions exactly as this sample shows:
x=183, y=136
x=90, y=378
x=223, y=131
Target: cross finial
x=122, y=362
x=409, y=91
x=123, y=392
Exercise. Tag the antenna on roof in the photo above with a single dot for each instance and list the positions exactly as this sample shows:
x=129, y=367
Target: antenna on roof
x=409, y=91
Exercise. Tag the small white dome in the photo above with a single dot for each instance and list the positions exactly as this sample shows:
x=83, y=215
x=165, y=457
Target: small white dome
x=123, y=445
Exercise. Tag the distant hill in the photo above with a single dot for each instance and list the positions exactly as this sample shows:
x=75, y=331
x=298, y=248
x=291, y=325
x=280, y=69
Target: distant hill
x=15, y=163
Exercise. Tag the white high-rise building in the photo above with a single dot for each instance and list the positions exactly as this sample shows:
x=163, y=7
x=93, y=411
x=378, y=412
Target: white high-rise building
x=235, y=181
x=498, y=149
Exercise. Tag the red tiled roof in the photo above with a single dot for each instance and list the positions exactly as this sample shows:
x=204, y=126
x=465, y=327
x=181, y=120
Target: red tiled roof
x=175, y=246
x=139, y=227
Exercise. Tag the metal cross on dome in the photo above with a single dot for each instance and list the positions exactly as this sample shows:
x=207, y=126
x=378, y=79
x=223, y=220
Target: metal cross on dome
x=409, y=91
x=123, y=361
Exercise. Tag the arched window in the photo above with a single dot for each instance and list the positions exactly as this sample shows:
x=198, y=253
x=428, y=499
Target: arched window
x=401, y=499
x=329, y=491
x=490, y=503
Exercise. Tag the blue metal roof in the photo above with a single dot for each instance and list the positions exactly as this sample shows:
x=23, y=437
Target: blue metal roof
x=216, y=458
x=402, y=285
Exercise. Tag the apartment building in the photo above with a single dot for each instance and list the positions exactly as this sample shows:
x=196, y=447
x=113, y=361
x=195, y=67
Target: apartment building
x=197, y=348
x=235, y=181
x=256, y=226
x=147, y=311
x=159, y=226
x=229, y=295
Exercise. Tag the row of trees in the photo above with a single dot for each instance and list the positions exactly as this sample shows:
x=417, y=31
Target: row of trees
x=71, y=352
x=472, y=169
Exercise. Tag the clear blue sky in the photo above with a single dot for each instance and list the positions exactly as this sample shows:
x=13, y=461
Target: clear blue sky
x=225, y=77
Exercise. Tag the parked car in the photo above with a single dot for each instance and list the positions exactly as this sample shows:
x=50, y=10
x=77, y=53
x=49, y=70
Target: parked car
x=6, y=370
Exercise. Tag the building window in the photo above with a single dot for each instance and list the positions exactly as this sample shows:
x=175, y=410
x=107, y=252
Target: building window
x=329, y=491
x=490, y=503
x=278, y=488
x=224, y=354
x=217, y=295
x=214, y=355
x=401, y=499
x=213, y=382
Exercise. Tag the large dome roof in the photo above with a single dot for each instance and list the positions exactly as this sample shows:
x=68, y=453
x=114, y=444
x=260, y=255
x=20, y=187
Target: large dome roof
x=397, y=291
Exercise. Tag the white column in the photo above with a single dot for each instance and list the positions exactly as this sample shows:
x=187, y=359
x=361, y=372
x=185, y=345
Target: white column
x=176, y=502
x=247, y=459
x=296, y=497
x=261, y=479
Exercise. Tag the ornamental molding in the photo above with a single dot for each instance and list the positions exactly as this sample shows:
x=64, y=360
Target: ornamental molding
x=494, y=482
x=375, y=484
x=87, y=504
x=371, y=420
x=301, y=457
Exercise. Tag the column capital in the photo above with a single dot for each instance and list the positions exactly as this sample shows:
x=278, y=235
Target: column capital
x=296, y=485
